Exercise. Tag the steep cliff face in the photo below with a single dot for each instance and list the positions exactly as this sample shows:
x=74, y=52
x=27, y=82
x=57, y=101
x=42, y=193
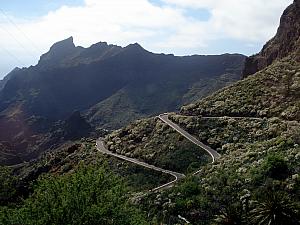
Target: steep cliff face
x=286, y=42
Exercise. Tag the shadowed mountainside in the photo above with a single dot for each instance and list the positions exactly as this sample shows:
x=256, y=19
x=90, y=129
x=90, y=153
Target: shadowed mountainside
x=109, y=85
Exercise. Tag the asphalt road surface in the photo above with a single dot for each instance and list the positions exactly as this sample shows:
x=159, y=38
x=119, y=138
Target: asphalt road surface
x=100, y=147
x=213, y=153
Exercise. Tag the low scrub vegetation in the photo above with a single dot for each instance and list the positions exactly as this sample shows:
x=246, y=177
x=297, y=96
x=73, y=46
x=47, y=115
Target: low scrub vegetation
x=156, y=143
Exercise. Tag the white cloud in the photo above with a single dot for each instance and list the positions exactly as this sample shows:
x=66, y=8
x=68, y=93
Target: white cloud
x=253, y=20
x=159, y=28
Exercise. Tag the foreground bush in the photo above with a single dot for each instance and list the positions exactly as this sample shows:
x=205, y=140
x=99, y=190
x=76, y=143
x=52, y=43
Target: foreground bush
x=88, y=196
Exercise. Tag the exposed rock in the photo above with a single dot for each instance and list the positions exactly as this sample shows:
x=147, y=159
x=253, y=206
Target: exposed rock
x=285, y=42
x=58, y=52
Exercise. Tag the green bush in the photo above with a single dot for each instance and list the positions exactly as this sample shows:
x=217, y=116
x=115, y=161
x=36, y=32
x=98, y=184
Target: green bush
x=275, y=167
x=7, y=185
x=89, y=196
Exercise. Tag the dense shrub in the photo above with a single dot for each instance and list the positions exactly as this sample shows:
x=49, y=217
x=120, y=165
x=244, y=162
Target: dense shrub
x=7, y=185
x=275, y=167
x=88, y=196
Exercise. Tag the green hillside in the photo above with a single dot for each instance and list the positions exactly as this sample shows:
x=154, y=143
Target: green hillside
x=258, y=173
x=271, y=92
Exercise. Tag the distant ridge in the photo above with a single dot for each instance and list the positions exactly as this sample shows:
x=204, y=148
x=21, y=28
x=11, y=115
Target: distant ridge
x=109, y=85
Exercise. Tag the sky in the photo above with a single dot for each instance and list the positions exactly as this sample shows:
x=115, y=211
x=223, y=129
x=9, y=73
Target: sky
x=181, y=27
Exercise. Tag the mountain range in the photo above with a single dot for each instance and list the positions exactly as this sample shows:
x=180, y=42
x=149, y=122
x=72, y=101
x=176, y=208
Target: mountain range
x=109, y=85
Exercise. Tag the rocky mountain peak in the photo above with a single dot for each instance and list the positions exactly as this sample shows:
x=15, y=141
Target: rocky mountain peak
x=101, y=47
x=136, y=47
x=100, y=44
x=64, y=44
x=286, y=42
x=58, y=51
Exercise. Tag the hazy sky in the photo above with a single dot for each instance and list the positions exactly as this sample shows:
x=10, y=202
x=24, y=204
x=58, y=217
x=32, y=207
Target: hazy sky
x=182, y=27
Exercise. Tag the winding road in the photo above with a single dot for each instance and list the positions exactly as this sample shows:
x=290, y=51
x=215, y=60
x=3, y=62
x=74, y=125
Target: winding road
x=213, y=153
x=163, y=117
x=101, y=147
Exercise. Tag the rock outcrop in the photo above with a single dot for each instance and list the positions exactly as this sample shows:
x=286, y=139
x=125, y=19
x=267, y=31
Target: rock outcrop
x=286, y=42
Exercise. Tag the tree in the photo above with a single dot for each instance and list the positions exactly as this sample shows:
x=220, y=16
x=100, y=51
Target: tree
x=275, y=209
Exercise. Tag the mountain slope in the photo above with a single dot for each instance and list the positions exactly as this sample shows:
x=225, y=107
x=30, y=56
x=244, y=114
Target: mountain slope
x=7, y=77
x=254, y=125
x=138, y=101
x=259, y=156
x=271, y=92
